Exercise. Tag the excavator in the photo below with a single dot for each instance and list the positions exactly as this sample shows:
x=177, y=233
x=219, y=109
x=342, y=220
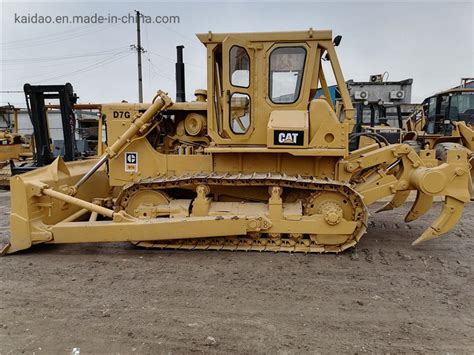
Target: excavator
x=253, y=163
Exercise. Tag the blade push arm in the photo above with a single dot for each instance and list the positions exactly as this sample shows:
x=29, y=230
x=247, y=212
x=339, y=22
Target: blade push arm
x=160, y=103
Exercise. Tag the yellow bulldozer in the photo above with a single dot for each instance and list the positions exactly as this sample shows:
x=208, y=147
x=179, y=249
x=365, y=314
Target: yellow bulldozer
x=252, y=163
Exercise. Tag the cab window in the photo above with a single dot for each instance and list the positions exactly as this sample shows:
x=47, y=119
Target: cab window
x=239, y=113
x=461, y=107
x=443, y=106
x=432, y=108
x=286, y=74
x=239, y=67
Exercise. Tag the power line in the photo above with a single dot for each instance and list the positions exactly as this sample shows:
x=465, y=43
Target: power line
x=85, y=69
x=173, y=60
x=156, y=72
x=61, y=38
x=191, y=40
x=42, y=75
x=52, y=59
x=33, y=39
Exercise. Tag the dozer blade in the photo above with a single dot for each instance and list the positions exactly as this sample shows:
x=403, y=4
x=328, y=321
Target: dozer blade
x=449, y=217
x=423, y=203
x=398, y=199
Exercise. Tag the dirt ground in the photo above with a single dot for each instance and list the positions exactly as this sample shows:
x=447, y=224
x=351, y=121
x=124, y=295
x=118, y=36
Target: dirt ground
x=383, y=296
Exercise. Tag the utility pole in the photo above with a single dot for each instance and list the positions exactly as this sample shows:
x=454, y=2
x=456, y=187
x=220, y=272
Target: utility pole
x=139, y=50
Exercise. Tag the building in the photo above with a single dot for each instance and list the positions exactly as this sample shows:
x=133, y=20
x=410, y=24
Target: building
x=378, y=90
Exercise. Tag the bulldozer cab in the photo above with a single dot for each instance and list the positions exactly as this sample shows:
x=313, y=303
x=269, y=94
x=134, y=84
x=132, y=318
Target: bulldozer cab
x=261, y=88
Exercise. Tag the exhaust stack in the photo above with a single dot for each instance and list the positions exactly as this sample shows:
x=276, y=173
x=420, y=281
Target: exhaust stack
x=180, y=89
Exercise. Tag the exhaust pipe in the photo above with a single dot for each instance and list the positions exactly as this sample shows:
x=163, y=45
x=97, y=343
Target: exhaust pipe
x=180, y=89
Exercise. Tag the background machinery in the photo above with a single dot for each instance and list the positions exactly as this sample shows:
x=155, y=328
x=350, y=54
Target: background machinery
x=253, y=163
x=45, y=149
x=445, y=120
x=376, y=121
x=381, y=107
x=12, y=144
x=447, y=116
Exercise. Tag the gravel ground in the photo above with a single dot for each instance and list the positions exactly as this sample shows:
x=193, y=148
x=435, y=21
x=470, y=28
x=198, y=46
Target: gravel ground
x=384, y=296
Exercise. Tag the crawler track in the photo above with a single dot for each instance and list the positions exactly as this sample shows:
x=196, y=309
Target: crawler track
x=311, y=187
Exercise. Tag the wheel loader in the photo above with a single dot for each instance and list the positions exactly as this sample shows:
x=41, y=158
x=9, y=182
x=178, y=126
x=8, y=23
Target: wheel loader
x=444, y=120
x=447, y=116
x=253, y=163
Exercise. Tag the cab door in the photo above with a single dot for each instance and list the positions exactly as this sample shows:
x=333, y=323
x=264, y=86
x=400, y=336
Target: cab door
x=238, y=88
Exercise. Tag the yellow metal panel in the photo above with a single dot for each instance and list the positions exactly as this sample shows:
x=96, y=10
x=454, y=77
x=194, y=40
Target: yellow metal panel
x=310, y=35
x=141, y=230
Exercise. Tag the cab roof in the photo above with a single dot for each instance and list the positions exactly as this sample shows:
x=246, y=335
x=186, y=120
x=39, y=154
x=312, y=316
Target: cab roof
x=292, y=36
x=452, y=91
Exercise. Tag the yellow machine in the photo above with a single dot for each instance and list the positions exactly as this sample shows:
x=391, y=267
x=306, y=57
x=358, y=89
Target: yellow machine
x=444, y=119
x=253, y=163
x=12, y=144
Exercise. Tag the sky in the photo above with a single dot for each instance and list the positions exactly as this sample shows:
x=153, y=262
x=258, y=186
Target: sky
x=429, y=41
